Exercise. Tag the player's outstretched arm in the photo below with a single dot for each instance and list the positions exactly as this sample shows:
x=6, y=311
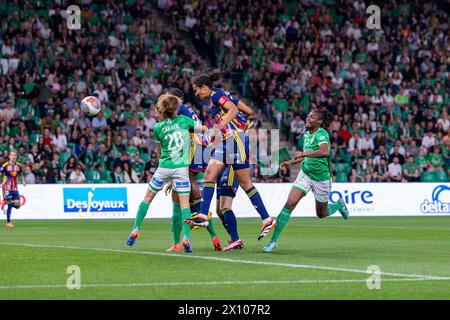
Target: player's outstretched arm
x=322, y=152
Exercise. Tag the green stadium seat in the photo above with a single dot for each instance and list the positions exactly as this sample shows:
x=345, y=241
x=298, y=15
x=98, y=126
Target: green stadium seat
x=343, y=167
x=427, y=176
x=63, y=158
x=93, y=176
x=440, y=176
x=341, y=177
x=145, y=157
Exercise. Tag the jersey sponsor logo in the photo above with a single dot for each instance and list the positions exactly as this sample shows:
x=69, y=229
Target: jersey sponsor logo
x=87, y=200
x=440, y=201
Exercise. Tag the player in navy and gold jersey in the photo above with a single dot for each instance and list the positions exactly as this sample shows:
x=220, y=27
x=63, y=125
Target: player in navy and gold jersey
x=11, y=171
x=230, y=119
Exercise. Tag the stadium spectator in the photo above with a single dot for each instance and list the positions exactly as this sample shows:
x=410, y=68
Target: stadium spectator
x=77, y=176
x=395, y=170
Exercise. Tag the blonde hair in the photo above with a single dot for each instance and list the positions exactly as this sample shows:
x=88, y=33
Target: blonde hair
x=167, y=105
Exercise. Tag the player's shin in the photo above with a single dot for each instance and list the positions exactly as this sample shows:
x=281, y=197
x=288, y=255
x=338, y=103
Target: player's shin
x=257, y=202
x=231, y=222
x=211, y=229
x=282, y=220
x=207, y=195
x=186, y=215
x=333, y=208
x=177, y=223
x=8, y=213
x=142, y=212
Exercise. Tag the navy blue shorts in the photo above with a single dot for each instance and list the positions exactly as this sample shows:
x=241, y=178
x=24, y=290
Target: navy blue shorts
x=234, y=151
x=200, y=158
x=227, y=183
x=11, y=196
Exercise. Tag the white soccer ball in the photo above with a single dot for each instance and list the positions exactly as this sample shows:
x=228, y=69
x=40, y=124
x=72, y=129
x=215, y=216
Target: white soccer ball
x=91, y=106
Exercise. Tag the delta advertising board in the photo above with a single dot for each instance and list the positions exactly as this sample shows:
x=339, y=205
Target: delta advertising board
x=121, y=201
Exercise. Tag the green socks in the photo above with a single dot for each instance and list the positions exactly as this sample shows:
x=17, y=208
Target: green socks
x=211, y=229
x=177, y=223
x=186, y=214
x=332, y=208
x=282, y=221
x=142, y=212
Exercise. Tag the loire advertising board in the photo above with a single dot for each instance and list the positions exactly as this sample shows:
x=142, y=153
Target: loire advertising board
x=121, y=201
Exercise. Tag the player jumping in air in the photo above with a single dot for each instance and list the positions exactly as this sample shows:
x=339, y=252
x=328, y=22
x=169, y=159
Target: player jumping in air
x=198, y=144
x=228, y=114
x=173, y=135
x=315, y=174
x=11, y=170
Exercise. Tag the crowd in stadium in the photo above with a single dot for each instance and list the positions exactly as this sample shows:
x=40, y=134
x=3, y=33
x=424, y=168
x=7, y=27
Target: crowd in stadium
x=388, y=88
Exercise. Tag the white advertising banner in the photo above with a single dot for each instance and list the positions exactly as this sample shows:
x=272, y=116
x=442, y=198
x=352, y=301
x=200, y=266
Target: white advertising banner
x=116, y=201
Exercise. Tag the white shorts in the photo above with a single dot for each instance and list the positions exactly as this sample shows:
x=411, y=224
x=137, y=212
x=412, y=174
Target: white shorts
x=179, y=177
x=320, y=189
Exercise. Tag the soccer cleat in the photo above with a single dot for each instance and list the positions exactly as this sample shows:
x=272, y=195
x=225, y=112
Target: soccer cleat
x=270, y=246
x=176, y=247
x=133, y=236
x=9, y=225
x=238, y=244
x=186, y=245
x=198, y=220
x=216, y=244
x=267, y=227
x=344, y=211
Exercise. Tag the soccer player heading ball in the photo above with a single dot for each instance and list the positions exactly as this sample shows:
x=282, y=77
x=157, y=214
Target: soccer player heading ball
x=315, y=174
x=231, y=121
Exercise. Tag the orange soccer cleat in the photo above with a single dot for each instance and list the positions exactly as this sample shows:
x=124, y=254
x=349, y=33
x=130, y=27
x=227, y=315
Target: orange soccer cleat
x=176, y=247
x=216, y=244
x=267, y=227
x=9, y=225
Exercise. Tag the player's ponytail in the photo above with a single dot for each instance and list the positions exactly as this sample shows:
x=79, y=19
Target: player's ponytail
x=209, y=78
x=168, y=105
x=326, y=117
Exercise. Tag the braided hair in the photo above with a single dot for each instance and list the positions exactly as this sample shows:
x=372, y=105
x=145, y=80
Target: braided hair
x=326, y=117
x=207, y=79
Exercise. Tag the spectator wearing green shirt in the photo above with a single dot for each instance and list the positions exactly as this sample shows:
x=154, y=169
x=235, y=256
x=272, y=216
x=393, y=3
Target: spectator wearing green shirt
x=280, y=105
x=435, y=160
x=410, y=170
x=421, y=160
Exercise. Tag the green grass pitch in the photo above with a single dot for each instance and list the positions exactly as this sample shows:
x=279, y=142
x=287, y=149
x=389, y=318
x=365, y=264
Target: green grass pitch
x=316, y=259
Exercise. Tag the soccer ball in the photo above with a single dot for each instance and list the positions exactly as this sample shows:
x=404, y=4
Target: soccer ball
x=91, y=106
